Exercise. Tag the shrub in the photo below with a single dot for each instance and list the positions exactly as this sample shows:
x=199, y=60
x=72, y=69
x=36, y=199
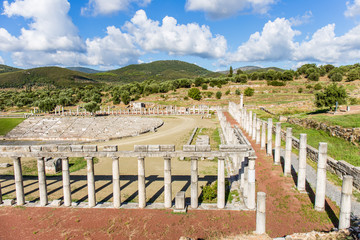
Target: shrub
x=353, y=75
x=194, y=93
x=337, y=77
x=330, y=95
x=300, y=90
x=92, y=107
x=308, y=86
x=317, y=86
x=209, y=94
x=204, y=86
x=218, y=95
x=186, y=98
x=249, y=92
x=276, y=83
x=314, y=76
x=227, y=92
x=237, y=92
x=242, y=78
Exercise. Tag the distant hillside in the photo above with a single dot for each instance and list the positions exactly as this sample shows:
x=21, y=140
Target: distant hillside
x=4, y=69
x=83, y=69
x=251, y=69
x=159, y=70
x=44, y=76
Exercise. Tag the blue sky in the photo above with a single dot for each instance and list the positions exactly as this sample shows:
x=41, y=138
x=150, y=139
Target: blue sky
x=107, y=34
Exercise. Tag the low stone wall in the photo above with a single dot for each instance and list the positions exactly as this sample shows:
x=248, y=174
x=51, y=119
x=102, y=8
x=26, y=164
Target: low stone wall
x=340, y=168
x=350, y=134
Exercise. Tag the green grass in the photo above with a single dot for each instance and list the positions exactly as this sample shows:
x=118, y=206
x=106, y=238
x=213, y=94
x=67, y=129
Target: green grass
x=338, y=148
x=347, y=121
x=7, y=124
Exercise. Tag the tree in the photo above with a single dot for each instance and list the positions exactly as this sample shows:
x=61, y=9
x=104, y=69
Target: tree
x=330, y=95
x=198, y=81
x=218, y=95
x=194, y=93
x=314, y=76
x=204, y=86
x=125, y=98
x=242, y=78
x=47, y=105
x=92, y=107
x=231, y=72
x=352, y=75
x=337, y=77
x=249, y=92
x=237, y=92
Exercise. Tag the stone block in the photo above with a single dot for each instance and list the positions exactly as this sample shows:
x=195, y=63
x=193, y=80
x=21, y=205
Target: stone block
x=5, y=165
x=50, y=148
x=203, y=148
x=15, y=148
x=89, y=148
x=8, y=202
x=36, y=148
x=56, y=203
x=167, y=148
x=112, y=148
x=64, y=148
x=140, y=148
x=180, y=202
x=189, y=148
x=53, y=166
x=76, y=148
x=153, y=148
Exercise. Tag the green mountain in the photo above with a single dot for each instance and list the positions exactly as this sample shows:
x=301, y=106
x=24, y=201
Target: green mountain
x=44, y=76
x=159, y=70
x=83, y=69
x=5, y=69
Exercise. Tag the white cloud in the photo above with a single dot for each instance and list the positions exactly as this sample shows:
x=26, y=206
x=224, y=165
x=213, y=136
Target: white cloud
x=104, y=7
x=300, y=20
x=51, y=28
x=174, y=38
x=274, y=43
x=352, y=9
x=222, y=9
x=2, y=60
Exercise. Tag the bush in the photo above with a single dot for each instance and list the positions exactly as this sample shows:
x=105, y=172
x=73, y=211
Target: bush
x=249, y=92
x=353, y=75
x=276, y=83
x=209, y=94
x=337, y=77
x=186, y=98
x=204, y=86
x=125, y=98
x=218, y=95
x=237, y=92
x=92, y=107
x=308, y=86
x=194, y=93
x=330, y=95
x=242, y=78
x=227, y=92
x=300, y=90
x=314, y=76
x=317, y=86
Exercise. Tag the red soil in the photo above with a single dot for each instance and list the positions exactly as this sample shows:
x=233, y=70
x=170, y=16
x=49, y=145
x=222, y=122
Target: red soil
x=287, y=212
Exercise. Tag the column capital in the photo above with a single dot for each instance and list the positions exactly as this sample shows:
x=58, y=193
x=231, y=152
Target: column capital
x=89, y=158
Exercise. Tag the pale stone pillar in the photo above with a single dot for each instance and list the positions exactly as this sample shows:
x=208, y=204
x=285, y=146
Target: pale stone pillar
x=321, y=178
x=288, y=148
x=263, y=135
x=261, y=213
x=241, y=101
x=194, y=182
x=42, y=181
x=167, y=182
x=221, y=183
x=345, y=205
x=19, y=186
x=251, y=184
x=277, y=144
x=141, y=182
x=250, y=123
x=246, y=178
x=66, y=182
x=91, y=181
x=253, y=135
x=302, y=163
x=1, y=201
x=258, y=127
x=269, y=137
x=116, y=182
x=77, y=110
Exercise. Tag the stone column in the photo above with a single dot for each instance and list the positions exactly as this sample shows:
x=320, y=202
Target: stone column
x=1, y=201
x=167, y=183
x=269, y=137
x=141, y=182
x=66, y=182
x=258, y=126
x=345, y=205
x=91, y=181
x=116, y=182
x=321, y=178
x=251, y=184
x=194, y=182
x=288, y=148
x=302, y=164
x=250, y=123
x=261, y=213
x=246, y=178
x=19, y=186
x=277, y=144
x=221, y=183
x=42, y=182
x=254, y=127
x=241, y=101
x=263, y=135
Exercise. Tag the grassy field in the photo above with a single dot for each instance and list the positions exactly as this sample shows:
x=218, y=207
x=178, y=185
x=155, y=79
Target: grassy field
x=347, y=121
x=7, y=124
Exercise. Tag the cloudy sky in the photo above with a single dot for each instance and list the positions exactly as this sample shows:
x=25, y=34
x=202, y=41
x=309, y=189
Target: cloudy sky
x=107, y=34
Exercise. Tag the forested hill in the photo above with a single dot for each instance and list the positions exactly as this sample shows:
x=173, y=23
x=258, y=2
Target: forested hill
x=44, y=76
x=158, y=70
x=63, y=77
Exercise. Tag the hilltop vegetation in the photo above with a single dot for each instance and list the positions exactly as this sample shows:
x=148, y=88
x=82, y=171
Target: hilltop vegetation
x=5, y=69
